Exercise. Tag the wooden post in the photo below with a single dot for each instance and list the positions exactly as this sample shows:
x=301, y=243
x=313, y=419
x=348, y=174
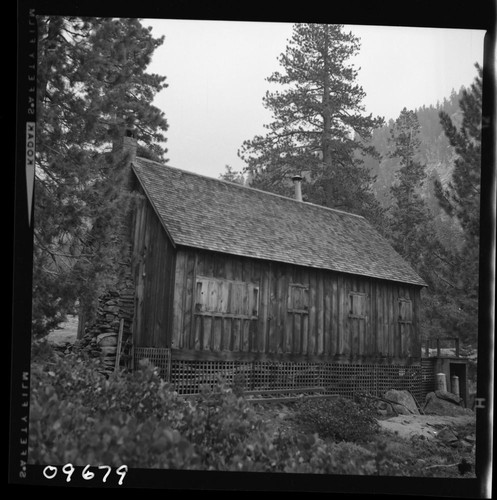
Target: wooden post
x=119, y=344
x=457, y=347
x=438, y=347
x=132, y=355
x=81, y=325
x=169, y=362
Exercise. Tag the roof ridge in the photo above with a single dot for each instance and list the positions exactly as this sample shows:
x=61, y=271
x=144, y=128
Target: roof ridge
x=240, y=186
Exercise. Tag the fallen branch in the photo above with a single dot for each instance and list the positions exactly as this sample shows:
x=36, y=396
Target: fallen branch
x=441, y=465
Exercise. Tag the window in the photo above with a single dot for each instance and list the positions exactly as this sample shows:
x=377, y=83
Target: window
x=405, y=310
x=298, y=298
x=226, y=297
x=357, y=305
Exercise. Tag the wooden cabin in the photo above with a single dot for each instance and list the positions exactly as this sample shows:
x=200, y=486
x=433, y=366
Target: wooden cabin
x=230, y=279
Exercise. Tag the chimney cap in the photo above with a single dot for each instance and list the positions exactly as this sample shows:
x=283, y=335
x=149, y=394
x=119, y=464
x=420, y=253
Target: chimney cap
x=297, y=179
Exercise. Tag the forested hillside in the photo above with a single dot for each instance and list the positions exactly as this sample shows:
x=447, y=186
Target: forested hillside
x=427, y=181
x=435, y=152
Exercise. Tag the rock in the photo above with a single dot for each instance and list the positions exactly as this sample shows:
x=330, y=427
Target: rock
x=107, y=339
x=447, y=436
x=385, y=409
x=448, y=396
x=108, y=350
x=438, y=406
x=407, y=404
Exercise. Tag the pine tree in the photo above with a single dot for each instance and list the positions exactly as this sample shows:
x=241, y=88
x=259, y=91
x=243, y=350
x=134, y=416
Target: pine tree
x=412, y=228
x=461, y=200
x=232, y=175
x=409, y=215
x=319, y=124
x=92, y=85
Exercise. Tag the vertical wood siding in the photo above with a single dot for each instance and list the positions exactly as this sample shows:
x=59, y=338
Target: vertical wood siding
x=153, y=263
x=325, y=328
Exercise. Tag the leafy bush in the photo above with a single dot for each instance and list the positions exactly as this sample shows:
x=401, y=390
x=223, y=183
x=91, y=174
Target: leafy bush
x=66, y=433
x=80, y=416
x=42, y=352
x=216, y=421
x=339, y=418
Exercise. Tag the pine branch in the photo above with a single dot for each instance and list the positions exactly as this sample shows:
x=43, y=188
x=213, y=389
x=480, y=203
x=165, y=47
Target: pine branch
x=455, y=287
x=442, y=258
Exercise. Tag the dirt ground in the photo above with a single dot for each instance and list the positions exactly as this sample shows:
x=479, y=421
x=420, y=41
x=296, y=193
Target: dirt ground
x=428, y=426
x=66, y=333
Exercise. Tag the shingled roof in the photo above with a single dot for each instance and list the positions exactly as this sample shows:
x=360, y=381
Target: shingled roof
x=212, y=214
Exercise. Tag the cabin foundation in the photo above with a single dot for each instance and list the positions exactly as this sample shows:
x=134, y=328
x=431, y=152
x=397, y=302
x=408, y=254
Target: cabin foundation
x=345, y=379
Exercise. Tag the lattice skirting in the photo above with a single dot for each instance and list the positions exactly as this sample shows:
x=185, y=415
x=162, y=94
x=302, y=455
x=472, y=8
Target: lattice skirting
x=339, y=378
x=428, y=376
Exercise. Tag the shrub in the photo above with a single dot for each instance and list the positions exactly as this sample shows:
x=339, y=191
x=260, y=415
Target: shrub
x=339, y=418
x=68, y=434
x=216, y=421
x=80, y=416
x=301, y=453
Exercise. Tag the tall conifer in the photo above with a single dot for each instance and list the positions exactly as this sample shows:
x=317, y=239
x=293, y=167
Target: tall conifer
x=461, y=199
x=92, y=84
x=319, y=124
x=409, y=215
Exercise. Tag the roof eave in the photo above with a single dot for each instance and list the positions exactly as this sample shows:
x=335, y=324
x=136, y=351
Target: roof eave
x=419, y=282
x=149, y=198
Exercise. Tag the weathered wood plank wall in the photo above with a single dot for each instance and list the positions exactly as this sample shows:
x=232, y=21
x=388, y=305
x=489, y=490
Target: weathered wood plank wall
x=211, y=306
x=153, y=259
x=330, y=315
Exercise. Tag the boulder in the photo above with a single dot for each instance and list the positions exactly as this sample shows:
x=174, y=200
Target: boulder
x=448, y=396
x=447, y=435
x=385, y=409
x=438, y=406
x=406, y=404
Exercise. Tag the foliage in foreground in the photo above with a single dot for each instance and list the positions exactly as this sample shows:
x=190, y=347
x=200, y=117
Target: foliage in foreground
x=340, y=419
x=81, y=416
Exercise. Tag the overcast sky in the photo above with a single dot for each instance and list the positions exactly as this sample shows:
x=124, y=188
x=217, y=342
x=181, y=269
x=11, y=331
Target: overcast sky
x=217, y=70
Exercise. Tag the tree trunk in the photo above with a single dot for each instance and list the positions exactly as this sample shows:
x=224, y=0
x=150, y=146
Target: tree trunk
x=325, y=143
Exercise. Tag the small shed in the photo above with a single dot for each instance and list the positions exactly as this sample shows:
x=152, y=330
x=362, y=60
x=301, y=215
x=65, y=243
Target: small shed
x=269, y=291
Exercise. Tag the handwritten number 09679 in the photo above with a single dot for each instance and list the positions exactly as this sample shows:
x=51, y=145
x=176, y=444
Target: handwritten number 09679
x=50, y=472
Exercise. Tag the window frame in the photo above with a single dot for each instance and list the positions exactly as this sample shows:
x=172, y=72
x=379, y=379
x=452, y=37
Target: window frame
x=410, y=314
x=251, y=288
x=304, y=298
x=352, y=314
